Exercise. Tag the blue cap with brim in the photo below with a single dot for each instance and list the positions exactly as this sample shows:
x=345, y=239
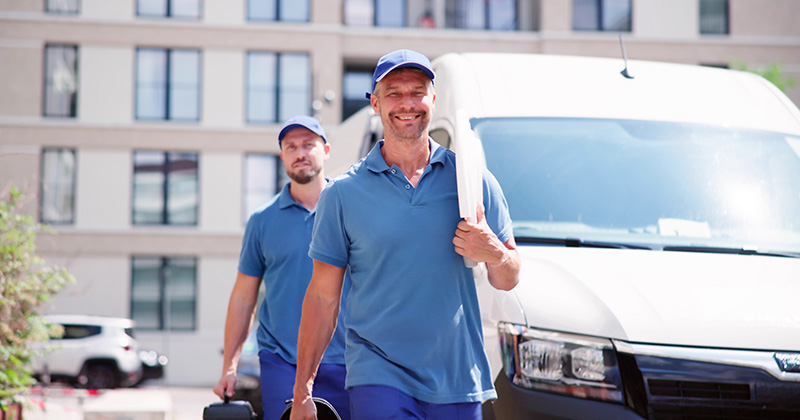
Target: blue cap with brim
x=398, y=59
x=302, y=121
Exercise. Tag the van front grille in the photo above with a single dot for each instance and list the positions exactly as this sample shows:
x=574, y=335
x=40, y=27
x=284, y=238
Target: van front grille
x=666, y=412
x=699, y=390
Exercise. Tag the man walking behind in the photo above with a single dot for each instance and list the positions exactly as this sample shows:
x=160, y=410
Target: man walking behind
x=275, y=249
x=414, y=338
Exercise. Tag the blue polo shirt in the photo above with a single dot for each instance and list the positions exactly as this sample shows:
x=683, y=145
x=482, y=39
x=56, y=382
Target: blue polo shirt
x=413, y=321
x=275, y=248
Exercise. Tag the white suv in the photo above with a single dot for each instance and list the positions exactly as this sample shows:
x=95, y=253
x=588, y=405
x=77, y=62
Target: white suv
x=95, y=352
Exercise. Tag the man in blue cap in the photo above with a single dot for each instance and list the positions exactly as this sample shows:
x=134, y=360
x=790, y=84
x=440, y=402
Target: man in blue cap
x=275, y=249
x=414, y=338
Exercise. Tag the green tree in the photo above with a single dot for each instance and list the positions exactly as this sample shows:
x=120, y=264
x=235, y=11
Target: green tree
x=773, y=73
x=25, y=284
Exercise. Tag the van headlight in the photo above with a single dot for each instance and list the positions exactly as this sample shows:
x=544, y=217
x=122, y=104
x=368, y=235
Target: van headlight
x=575, y=365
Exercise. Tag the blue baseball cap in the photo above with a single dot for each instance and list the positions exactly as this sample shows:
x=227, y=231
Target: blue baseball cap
x=302, y=121
x=398, y=59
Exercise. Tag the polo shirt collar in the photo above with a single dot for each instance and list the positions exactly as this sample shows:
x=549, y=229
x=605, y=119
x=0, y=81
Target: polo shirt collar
x=285, y=199
x=376, y=163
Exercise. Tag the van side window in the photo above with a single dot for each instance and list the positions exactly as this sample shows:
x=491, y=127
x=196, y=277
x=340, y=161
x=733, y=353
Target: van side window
x=441, y=136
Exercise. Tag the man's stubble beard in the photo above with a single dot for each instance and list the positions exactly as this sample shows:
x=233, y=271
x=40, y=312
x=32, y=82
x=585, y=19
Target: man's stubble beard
x=304, y=176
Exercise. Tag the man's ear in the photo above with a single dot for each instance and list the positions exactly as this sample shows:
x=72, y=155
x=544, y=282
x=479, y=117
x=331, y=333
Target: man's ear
x=373, y=100
x=327, y=151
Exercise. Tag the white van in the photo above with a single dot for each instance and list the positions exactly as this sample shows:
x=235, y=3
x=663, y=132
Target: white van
x=658, y=218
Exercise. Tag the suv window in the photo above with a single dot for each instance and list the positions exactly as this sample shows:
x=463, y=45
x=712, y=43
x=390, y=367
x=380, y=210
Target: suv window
x=75, y=331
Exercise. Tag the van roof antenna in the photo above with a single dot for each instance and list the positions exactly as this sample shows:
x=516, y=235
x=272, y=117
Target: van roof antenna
x=624, y=71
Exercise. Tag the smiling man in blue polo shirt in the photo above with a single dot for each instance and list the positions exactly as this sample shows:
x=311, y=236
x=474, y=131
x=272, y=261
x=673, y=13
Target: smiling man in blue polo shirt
x=414, y=339
x=275, y=249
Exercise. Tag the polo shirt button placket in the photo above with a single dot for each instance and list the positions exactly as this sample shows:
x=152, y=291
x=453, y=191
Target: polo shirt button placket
x=408, y=186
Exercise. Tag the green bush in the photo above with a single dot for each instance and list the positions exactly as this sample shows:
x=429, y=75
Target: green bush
x=774, y=73
x=25, y=284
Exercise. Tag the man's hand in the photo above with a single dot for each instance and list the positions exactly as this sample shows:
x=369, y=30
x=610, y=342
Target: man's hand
x=303, y=409
x=477, y=242
x=225, y=385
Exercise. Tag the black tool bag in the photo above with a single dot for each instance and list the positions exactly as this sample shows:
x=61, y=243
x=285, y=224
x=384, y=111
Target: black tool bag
x=325, y=410
x=229, y=410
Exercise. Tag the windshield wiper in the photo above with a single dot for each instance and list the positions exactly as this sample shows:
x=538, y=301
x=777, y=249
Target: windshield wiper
x=577, y=243
x=736, y=251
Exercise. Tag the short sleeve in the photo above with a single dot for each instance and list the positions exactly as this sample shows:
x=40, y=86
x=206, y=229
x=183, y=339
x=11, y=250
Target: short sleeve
x=251, y=261
x=329, y=242
x=496, y=208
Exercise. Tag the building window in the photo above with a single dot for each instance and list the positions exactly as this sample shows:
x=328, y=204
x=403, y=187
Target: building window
x=189, y=9
x=264, y=176
x=382, y=13
x=165, y=188
x=278, y=86
x=57, y=191
x=390, y=13
x=279, y=10
x=61, y=80
x=164, y=293
x=355, y=83
x=714, y=17
x=481, y=14
x=63, y=6
x=167, y=84
x=601, y=15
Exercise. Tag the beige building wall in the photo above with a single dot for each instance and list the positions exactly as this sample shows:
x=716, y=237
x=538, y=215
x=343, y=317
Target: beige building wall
x=220, y=192
x=105, y=79
x=674, y=19
x=103, y=196
x=21, y=91
x=223, y=88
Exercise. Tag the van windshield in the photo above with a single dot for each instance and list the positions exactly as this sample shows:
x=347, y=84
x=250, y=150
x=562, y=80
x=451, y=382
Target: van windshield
x=646, y=183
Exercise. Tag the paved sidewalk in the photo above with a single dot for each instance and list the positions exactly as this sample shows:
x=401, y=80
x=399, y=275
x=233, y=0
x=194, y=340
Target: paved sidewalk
x=145, y=403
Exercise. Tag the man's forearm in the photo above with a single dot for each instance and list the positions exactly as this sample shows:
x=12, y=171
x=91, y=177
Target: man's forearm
x=316, y=331
x=505, y=274
x=317, y=324
x=239, y=319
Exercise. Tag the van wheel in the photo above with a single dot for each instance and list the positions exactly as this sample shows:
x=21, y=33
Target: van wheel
x=100, y=376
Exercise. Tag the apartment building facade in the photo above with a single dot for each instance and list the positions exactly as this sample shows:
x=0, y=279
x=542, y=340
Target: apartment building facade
x=144, y=131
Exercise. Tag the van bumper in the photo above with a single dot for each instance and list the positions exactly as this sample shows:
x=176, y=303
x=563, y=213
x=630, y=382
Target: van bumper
x=520, y=403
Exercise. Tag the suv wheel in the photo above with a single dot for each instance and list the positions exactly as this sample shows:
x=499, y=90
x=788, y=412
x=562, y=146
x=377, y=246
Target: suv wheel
x=100, y=376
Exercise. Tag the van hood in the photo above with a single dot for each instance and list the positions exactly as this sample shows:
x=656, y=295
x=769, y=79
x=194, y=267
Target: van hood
x=663, y=297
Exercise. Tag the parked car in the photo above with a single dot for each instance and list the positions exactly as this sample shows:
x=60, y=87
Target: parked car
x=94, y=352
x=657, y=220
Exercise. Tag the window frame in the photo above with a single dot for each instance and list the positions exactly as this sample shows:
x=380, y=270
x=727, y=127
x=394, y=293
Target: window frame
x=72, y=184
x=599, y=25
x=163, y=301
x=168, y=112
x=49, y=9
x=168, y=14
x=48, y=81
x=280, y=177
x=727, y=19
x=279, y=88
x=165, y=193
x=277, y=10
x=452, y=20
